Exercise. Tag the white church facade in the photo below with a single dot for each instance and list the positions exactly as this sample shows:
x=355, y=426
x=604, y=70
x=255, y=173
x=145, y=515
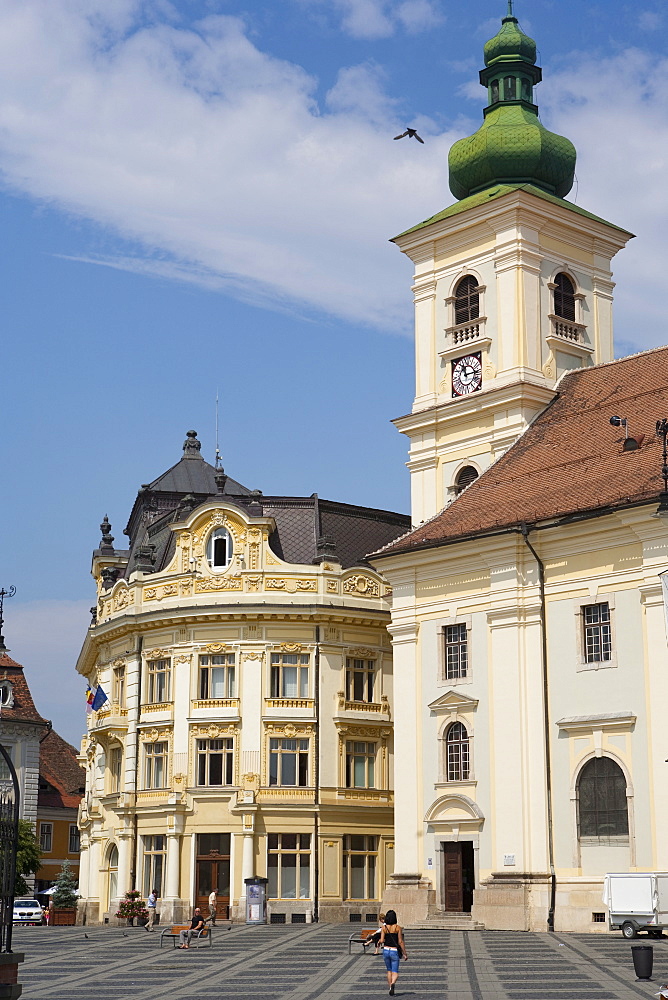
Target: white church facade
x=527, y=613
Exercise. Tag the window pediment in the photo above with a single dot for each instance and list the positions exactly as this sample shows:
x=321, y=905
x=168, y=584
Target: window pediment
x=453, y=701
x=595, y=723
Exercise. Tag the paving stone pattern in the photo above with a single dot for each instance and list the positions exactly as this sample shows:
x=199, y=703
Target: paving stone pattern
x=312, y=961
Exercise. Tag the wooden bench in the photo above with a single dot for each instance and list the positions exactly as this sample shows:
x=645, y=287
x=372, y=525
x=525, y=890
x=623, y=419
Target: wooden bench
x=174, y=932
x=361, y=937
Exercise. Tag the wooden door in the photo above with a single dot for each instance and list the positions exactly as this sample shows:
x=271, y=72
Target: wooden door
x=453, y=896
x=213, y=874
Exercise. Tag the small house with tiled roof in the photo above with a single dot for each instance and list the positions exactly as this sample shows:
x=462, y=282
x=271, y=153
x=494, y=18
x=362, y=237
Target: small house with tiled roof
x=241, y=641
x=51, y=780
x=21, y=727
x=61, y=787
x=528, y=628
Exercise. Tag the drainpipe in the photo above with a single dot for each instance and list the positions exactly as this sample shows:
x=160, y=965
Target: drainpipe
x=546, y=726
x=316, y=750
x=133, y=871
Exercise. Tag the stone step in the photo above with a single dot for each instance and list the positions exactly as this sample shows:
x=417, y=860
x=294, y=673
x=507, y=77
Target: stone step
x=453, y=922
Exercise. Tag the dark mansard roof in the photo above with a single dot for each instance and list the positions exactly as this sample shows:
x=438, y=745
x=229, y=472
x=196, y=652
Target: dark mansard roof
x=301, y=522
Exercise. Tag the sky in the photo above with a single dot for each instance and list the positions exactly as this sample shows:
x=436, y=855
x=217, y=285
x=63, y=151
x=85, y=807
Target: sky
x=197, y=198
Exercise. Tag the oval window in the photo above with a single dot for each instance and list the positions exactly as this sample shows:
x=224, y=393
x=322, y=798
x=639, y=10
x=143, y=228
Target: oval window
x=219, y=549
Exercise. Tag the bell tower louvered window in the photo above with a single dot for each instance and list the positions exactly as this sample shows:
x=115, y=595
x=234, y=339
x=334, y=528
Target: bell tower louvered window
x=467, y=300
x=465, y=477
x=564, y=297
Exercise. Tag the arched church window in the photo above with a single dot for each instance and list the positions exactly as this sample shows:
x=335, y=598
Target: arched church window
x=495, y=92
x=564, y=297
x=602, y=806
x=467, y=300
x=465, y=477
x=219, y=549
x=510, y=88
x=526, y=90
x=457, y=757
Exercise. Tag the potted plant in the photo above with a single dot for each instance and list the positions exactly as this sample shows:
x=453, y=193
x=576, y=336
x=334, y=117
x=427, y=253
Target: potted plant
x=133, y=907
x=65, y=897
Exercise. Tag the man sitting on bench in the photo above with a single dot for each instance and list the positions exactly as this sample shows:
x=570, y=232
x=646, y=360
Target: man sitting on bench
x=196, y=924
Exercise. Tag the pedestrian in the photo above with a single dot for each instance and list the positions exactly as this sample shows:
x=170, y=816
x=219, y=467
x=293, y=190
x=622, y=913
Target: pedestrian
x=212, y=906
x=52, y=912
x=374, y=939
x=196, y=924
x=394, y=948
x=151, y=905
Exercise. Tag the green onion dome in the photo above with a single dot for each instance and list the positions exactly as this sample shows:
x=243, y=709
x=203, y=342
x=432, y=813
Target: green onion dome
x=510, y=42
x=511, y=146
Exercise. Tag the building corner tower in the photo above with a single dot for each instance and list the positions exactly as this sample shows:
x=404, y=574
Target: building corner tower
x=513, y=284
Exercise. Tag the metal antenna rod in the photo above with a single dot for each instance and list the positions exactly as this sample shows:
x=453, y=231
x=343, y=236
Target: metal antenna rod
x=217, y=461
x=662, y=431
x=4, y=593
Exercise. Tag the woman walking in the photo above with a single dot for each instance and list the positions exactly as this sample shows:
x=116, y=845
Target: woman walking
x=394, y=948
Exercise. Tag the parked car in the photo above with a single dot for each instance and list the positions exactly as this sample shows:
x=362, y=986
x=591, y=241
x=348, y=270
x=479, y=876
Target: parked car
x=27, y=911
x=637, y=901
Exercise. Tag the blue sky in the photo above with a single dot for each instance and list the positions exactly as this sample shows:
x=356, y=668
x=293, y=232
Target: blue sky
x=198, y=196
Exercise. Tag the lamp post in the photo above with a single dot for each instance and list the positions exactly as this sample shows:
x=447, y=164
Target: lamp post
x=662, y=432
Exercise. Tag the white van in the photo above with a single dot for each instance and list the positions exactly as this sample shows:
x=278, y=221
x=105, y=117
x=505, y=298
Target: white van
x=637, y=902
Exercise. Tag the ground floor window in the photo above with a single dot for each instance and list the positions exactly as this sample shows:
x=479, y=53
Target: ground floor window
x=155, y=856
x=289, y=865
x=360, y=863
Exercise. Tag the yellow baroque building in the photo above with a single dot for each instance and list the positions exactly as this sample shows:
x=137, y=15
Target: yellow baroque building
x=242, y=643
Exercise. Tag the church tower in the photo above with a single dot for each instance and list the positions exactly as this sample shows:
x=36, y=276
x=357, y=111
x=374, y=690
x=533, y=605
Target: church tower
x=513, y=284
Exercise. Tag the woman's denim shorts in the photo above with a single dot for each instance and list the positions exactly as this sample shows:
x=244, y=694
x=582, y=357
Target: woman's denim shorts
x=391, y=956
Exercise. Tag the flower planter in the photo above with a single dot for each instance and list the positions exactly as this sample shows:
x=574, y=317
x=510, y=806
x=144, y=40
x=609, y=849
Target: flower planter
x=63, y=916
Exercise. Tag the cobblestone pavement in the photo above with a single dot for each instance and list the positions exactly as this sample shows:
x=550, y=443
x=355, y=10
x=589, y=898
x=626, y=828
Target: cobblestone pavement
x=309, y=962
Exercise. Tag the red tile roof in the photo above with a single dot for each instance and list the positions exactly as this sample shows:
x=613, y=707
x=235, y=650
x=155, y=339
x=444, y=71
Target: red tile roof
x=570, y=461
x=23, y=709
x=58, y=766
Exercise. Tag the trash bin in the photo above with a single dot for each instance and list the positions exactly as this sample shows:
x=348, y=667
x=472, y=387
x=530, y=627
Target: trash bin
x=256, y=900
x=643, y=960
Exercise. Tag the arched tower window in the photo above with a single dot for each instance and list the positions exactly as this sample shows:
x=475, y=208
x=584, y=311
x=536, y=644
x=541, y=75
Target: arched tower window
x=495, y=92
x=467, y=300
x=219, y=549
x=457, y=755
x=564, y=297
x=602, y=806
x=509, y=88
x=465, y=477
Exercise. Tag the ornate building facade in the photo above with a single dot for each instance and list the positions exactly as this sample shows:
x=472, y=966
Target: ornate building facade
x=527, y=613
x=242, y=643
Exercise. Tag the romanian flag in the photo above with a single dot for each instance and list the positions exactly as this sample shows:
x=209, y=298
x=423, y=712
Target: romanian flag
x=89, y=698
x=99, y=699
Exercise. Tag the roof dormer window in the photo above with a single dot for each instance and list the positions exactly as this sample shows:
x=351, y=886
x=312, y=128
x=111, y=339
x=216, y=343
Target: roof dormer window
x=6, y=694
x=219, y=549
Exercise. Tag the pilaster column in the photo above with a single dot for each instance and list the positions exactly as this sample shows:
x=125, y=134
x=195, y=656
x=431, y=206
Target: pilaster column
x=94, y=869
x=173, y=866
x=123, y=864
x=408, y=756
x=84, y=866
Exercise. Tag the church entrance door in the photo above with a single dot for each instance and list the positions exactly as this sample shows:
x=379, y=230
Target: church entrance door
x=458, y=876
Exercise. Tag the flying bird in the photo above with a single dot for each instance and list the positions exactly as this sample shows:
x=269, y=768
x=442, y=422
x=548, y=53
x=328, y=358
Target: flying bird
x=411, y=132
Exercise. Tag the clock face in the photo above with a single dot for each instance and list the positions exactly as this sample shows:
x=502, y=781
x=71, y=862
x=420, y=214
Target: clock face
x=466, y=375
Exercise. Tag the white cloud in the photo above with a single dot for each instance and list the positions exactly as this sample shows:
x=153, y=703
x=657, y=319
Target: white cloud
x=371, y=19
x=46, y=637
x=214, y=155
x=419, y=15
x=614, y=111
